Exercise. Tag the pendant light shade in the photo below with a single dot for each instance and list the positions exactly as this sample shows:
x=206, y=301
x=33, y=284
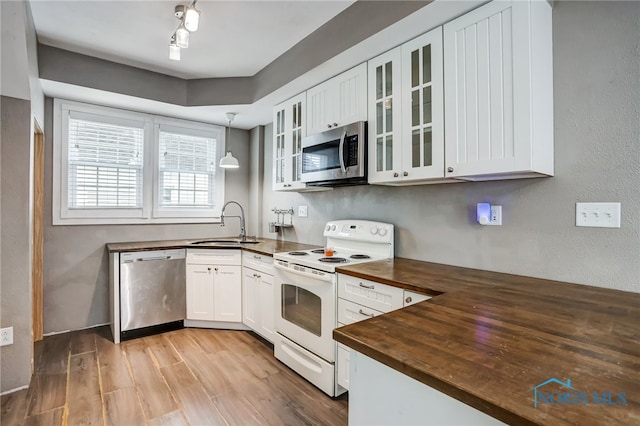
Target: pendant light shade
x=229, y=161
x=174, y=50
x=182, y=36
x=192, y=18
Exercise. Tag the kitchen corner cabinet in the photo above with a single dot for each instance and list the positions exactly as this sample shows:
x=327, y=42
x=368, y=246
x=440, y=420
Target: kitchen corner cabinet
x=258, y=303
x=406, y=126
x=338, y=101
x=499, y=92
x=214, y=285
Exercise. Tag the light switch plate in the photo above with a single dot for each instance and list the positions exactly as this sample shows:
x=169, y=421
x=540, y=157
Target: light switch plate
x=598, y=215
x=6, y=336
x=303, y=211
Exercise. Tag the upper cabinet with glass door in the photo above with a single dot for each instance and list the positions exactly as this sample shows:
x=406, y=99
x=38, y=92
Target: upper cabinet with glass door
x=406, y=136
x=288, y=131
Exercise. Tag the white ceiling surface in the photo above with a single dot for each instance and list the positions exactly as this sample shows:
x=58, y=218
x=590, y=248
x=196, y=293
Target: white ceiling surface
x=259, y=113
x=235, y=38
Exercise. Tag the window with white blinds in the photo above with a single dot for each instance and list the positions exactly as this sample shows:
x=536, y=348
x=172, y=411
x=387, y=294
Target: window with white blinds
x=104, y=165
x=187, y=170
x=112, y=166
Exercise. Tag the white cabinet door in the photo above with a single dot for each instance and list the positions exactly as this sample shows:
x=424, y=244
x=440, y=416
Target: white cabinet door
x=342, y=366
x=423, y=108
x=499, y=109
x=200, y=292
x=250, y=298
x=266, y=300
x=406, y=120
x=385, y=114
x=338, y=101
x=288, y=131
x=227, y=293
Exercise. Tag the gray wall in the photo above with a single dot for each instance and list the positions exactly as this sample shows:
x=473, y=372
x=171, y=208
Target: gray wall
x=597, y=158
x=75, y=260
x=16, y=253
x=22, y=101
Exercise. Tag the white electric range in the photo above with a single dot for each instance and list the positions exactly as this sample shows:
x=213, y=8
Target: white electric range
x=305, y=289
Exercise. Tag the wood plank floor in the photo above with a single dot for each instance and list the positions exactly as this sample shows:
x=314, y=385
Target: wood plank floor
x=185, y=377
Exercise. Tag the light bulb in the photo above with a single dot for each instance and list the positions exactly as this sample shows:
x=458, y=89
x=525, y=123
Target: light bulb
x=192, y=18
x=182, y=36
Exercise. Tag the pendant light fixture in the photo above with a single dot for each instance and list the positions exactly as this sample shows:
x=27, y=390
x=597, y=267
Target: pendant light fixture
x=189, y=18
x=229, y=161
x=192, y=18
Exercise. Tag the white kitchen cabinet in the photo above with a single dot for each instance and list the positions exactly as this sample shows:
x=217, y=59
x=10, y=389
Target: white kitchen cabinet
x=288, y=131
x=258, y=304
x=406, y=122
x=338, y=101
x=499, y=92
x=214, y=285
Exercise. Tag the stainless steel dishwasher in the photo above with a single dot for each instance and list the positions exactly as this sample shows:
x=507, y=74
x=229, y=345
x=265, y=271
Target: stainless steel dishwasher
x=152, y=292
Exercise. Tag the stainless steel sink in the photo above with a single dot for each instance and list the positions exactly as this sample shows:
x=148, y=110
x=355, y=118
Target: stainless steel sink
x=223, y=242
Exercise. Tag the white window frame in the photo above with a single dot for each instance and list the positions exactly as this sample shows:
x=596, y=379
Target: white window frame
x=195, y=129
x=150, y=211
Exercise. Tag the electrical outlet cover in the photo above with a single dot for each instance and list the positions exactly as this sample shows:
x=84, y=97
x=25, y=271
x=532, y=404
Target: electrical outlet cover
x=6, y=336
x=303, y=211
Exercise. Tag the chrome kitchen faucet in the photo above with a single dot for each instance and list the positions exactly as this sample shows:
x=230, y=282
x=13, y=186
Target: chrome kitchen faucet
x=243, y=233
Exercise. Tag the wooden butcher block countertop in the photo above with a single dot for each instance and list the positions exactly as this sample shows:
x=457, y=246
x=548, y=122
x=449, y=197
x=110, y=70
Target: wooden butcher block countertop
x=487, y=339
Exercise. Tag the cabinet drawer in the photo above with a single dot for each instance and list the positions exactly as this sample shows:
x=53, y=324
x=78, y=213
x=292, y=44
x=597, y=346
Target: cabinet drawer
x=258, y=262
x=349, y=312
x=214, y=257
x=381, y=297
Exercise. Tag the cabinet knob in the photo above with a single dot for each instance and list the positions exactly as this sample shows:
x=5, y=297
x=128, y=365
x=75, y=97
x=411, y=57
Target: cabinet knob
x=258, y=276
x=335, y=124
x=395, y=175
x=408, y=299
x=329, y=126
x=450, y=169
x=215, y=269
x=405, y=174
x=209, y=269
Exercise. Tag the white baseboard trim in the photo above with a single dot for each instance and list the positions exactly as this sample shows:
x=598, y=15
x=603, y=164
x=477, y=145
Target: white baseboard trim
x=13, y=390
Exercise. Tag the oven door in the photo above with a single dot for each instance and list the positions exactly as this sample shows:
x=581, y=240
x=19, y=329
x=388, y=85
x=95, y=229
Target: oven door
x=337, y=154
x=305, y=310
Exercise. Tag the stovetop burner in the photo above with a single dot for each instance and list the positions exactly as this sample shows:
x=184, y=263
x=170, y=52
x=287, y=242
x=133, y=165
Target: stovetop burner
x=316, y=251
x=360, y=256
x=298, y=253
x=333, y=260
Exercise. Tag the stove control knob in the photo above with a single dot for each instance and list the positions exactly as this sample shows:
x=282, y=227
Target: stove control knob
x=333, y=227
x=328, y=227
x=382, y=232
x=374, y=230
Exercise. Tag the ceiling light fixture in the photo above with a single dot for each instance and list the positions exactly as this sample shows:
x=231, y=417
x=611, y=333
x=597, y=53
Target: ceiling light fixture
x=189, y=20
x=229, y=161
x=174, y=49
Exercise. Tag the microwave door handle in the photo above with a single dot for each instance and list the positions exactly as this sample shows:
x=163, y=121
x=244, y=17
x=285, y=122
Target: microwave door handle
x=341, y=151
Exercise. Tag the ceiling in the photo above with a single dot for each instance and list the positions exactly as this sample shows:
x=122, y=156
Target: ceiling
x=235, y=38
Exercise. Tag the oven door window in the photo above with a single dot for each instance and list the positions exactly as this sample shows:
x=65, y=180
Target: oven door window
x=302, y=308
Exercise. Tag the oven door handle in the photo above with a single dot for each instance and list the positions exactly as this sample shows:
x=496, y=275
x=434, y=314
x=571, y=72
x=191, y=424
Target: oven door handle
x=341, y=151
x=325, y=277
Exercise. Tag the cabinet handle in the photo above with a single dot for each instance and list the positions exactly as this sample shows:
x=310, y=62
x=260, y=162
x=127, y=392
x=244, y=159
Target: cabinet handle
x=408, y=299
x=370, y=287
x=255, y=256
x=365, y=314
x=405, y=174
x=450, y=169
x=258, y=276
x=395, y=175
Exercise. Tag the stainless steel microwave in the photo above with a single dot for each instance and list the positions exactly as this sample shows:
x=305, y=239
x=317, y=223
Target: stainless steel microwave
x=336, y=157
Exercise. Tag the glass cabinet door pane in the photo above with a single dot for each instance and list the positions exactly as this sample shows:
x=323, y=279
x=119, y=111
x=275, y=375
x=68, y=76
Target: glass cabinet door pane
x=388, y=78
x=415, y=148
x=426, y=107
x=379, y=82
x=379, y=118
x=389, y=117
x=415, y=65
x=379, y=154
x=415, y=108
x=426, y=64
x=389, y=152
x=303, y=308
x=428, y=147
